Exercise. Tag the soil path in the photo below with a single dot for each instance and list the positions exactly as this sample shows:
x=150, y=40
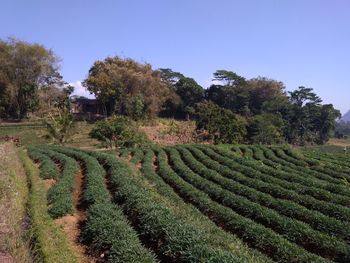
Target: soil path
x=72, y=223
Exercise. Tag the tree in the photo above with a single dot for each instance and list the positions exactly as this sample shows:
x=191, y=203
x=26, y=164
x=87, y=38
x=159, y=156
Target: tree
x=325, y=122
x=265, y=128
x=232, y=93
x=308, y=121
x=229, y=78
x=190, y=93
x=60, y=123
x=223, y=125
x=118, y=131
x=115, y=81
x=170, y=77
x=25, y=69
x=266, y=95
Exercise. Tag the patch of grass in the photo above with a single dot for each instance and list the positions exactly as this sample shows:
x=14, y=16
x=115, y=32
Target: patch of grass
x=34, y=133
x=49, y=242
x=13, y=200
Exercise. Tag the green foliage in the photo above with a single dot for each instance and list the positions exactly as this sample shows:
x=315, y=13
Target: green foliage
x=190, y=93
x=25, y=69
x=292, y=230
x=135, y=108
x=60, y=126
x=222, y=124
x=172, y=237
x=108, y=228
x=48, y=168
x=41, y=227
x=118, y=131
x=265, y=128
x=116, y=82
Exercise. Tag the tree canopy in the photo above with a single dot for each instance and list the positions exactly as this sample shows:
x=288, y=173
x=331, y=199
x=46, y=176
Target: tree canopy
x=123, y=83
x=25, y=69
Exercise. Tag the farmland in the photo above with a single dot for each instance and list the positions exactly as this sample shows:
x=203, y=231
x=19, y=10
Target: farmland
x=199, y=203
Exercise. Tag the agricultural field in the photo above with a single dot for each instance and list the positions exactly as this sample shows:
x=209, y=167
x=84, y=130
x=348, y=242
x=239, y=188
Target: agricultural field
x=197, y=203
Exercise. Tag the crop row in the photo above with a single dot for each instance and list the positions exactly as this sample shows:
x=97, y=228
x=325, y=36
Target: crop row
x=293, y=230
x=324, y=169
x=255, y=234
x=305, y=176
x=268, y=157
x=282, y=178
x=317, y=220
x=60, y=195
x=331, y=166
x=169, y=235
x=106, y=227
x=328, y=158
x=265, y=183
x=214, y=235
x=48, y=168
x=48, y=242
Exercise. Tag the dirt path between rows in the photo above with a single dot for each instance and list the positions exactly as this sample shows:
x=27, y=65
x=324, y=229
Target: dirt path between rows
x=72, y=223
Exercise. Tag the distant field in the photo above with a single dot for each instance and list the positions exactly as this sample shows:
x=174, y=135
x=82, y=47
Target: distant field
x=197, y=203
x=34, y=133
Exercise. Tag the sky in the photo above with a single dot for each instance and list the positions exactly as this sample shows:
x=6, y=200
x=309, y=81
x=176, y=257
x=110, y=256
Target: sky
x=298, y=42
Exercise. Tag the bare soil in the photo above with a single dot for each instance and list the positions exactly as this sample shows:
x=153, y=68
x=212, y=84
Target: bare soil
x=71, y=223
x=48, y=184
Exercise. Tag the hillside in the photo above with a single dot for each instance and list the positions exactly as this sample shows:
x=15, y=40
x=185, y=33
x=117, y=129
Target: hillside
x=346, y=117
x=202, y=203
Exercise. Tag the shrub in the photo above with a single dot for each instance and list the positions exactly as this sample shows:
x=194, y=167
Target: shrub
x=118, y=131
x=223, y=125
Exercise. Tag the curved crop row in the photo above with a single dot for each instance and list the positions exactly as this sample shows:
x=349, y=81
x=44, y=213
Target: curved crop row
x=216, y=236
x=293, y=230
x=266, y=155
x=267, y=184
x=331, y=159
x=48, y=169
x=298, y=174
x=106, y=228
x=317, y=220
x=256, y=235
x=331, y=166
x=303, y=184
x=49, y=242
x=326, y=170
x=171, y=236
x=60, y=194
x=137, y=156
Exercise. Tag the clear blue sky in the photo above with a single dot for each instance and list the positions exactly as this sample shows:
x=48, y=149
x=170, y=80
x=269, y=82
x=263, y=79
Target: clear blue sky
x=300, y=42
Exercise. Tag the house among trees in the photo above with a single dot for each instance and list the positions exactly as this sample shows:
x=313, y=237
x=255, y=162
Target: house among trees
x=86, y=109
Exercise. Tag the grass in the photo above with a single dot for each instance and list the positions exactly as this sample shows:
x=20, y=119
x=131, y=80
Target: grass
x=49, y=242
x=13, y=200
x=34, y=133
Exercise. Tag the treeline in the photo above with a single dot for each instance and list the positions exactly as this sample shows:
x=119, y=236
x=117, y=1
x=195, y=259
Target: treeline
x=232, y=109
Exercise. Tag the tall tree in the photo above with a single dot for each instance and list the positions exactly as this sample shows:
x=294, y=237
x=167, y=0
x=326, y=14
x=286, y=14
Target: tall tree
x=190, y=93
x=24, y=70
x=231, y=93
x=308, y=121
x=115, y=81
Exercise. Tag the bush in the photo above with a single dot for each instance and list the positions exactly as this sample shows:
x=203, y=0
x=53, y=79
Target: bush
x=223, y=125
x=118, y=131
x=265, y=128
